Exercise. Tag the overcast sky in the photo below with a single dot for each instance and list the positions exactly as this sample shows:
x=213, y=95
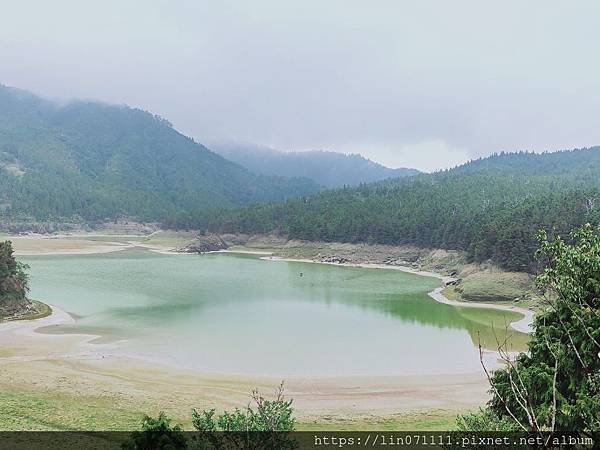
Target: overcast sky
x=426, y=84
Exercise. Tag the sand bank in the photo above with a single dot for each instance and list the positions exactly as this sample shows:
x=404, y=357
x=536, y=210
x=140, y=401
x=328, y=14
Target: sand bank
x=54, y=245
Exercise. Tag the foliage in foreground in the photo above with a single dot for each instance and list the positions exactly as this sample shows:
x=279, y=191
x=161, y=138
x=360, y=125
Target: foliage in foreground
x=157, y=434
x=556, y=386
x=243, y=426
x=485, y=420
x=267, y=415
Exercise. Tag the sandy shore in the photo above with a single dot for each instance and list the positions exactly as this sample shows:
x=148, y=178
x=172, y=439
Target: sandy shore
x=71, y=365
x=62, y=245
x=244, y=252
x=523, y=325
x=39, y=245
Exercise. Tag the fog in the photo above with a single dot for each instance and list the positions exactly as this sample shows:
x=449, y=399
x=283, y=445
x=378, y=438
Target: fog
x=426, y=84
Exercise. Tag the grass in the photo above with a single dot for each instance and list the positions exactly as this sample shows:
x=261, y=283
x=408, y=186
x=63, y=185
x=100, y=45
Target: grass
x=159, y=238
x=45, y=411
x=495, y=286
x=105, y=238
x=41, y=310
x=48, y=411
x=435, y=420
x=172, y=239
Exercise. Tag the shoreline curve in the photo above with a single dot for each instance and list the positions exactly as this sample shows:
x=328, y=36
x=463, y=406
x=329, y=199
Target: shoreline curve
x=523, y=325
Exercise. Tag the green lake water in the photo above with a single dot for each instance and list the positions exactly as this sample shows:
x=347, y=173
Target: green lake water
x=238, y=314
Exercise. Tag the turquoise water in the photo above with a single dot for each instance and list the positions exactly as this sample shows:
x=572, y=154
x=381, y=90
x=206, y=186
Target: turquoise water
x=238, y=314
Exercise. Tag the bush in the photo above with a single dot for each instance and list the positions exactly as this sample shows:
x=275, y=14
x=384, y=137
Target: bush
x=263, y=425
x=268, y=415
x=157, y=434
x=484, y=420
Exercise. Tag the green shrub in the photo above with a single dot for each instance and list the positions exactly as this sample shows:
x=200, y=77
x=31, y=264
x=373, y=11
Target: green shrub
x=157, y=434
x=264, y=415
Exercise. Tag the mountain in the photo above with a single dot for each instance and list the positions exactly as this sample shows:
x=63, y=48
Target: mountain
x=94, y=161
x=491, y=208
x=329, y=169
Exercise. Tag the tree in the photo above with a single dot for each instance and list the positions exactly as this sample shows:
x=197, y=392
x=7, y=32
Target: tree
x=556, y=386
x=264, y=425
x=268, y=415
x=491, y=208
x=13, y=276
x=157, y=434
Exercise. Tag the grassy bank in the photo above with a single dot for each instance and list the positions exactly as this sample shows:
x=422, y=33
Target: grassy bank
x=49, y=411
x=34, y=310
x=430, y=420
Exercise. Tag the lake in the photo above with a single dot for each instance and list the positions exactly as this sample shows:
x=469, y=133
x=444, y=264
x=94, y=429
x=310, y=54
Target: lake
x=238, y=314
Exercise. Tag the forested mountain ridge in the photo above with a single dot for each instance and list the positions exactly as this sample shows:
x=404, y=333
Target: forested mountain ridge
x=93, y=161
x=491, y=208
x=585, y=161
x=329, y=169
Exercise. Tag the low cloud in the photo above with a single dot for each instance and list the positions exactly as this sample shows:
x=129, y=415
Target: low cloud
x=427, y=84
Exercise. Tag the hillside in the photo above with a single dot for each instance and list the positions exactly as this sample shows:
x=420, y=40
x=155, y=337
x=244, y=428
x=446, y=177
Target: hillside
x=329, y=169
x=491, y=208
x=94, y=161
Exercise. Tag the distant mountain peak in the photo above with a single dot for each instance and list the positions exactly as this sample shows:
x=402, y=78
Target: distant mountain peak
x=327, y=168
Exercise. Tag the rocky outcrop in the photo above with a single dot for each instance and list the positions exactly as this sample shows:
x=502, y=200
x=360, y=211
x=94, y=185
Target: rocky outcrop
x=335, y=260
x=205, y=243
x=10, y=310
x=25, y=310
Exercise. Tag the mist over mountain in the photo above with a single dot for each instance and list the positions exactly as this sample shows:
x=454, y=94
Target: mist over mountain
x=329, y=169
x=93, y=161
